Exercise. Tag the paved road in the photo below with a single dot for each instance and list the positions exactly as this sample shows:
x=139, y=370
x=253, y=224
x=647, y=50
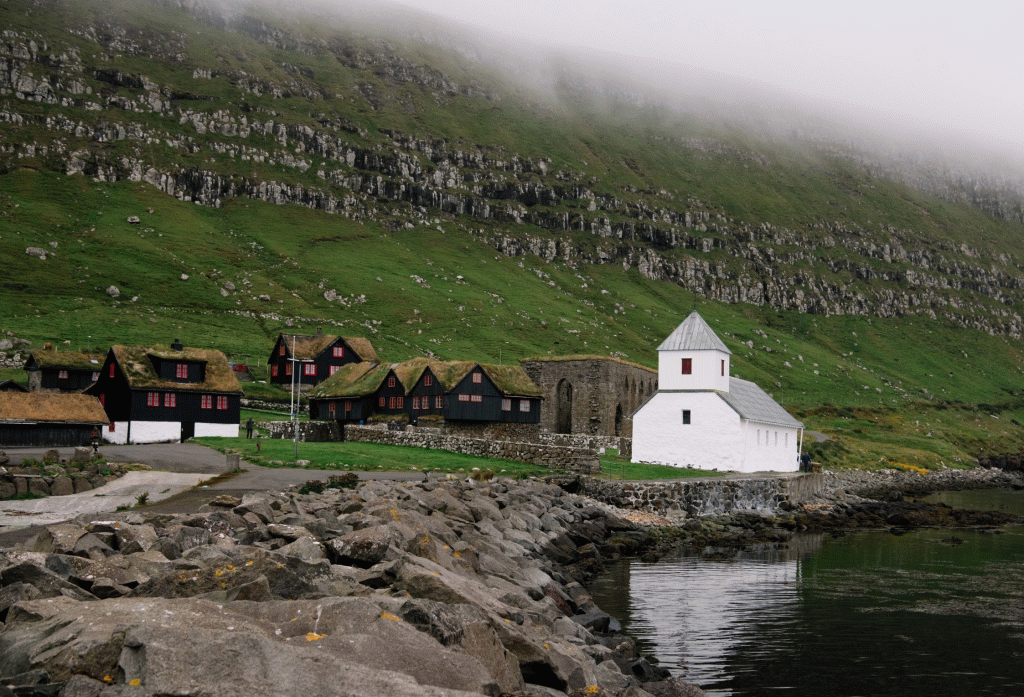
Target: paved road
x=177, y=484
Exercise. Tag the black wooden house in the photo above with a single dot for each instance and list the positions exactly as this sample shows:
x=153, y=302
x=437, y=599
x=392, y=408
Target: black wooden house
x=315, y=358
x=163, y=394
x=45, y=419
x=62, y=371
x=421, y=387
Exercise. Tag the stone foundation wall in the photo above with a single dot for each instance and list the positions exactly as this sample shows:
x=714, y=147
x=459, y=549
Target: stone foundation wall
x=55, y=480
x=705, y=497
x=311, y=431
x=577, y=440
x=574, y=459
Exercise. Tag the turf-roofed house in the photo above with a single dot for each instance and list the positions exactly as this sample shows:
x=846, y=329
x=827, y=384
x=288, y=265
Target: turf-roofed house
x=62, y=371
x=49, y=419
x=455, y=391
x=165, y=394
x=314, y=358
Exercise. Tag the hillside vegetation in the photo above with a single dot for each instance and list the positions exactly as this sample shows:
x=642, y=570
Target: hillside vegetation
x=401, y=191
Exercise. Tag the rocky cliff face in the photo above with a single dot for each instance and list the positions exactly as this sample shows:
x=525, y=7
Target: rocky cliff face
x=118, y=101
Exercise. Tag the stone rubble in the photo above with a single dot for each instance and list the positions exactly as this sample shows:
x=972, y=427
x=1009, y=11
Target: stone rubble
x=451, y=588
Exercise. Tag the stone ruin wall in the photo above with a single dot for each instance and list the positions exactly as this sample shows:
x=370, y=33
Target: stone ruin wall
x=604, y=394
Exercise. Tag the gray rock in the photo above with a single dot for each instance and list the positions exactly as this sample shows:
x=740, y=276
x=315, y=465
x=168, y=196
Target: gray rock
x=113, y=292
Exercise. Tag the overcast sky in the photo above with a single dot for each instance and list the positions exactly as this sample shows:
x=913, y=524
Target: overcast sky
x=930, y=63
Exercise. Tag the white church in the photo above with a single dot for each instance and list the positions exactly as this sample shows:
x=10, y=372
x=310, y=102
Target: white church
x=701, y=417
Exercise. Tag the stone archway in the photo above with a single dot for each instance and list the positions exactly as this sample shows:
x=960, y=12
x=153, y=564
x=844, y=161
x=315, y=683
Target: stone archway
x=563, y=407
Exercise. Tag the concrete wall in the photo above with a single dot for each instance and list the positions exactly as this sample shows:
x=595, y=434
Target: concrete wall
x=700, y=497
x=573, y=459
x=601, y=389
x=217, y=430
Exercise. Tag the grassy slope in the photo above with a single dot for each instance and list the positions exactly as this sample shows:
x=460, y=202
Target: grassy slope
x=868, y=371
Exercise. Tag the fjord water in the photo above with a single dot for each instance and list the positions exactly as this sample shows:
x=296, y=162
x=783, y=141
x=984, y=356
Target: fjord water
x=929, y=612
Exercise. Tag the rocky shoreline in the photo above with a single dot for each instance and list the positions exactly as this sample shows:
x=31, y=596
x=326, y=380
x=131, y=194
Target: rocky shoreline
x=428, y=588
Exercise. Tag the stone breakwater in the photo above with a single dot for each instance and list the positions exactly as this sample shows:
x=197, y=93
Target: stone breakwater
x=399, y=589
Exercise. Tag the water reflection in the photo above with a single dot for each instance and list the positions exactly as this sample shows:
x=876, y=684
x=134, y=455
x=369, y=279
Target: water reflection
x=930, y=612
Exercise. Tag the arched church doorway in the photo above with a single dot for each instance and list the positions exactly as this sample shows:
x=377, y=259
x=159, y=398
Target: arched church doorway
x=563, y=406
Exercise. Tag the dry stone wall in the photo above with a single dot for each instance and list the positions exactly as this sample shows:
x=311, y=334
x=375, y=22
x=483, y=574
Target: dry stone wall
x=556, y=457
x=706, y=497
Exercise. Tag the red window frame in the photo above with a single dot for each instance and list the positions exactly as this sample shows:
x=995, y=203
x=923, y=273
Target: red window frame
x=288, y=368
x=152, y=399
x=400, y=401
x=391, y=402
x=181, y=371
x=309, y=369
x=348, y=405
x=62, y=375
x=111, y=370
x=222, y=403
x=391, y=381
x=476, y=398
x=428, y=380
x=103, y=400
x=273, y=371
x=206, y=401
x=381, y=402
x=687, y=366
x=170, y=400
x=478, y=377
x=339, y=352
x=280, y=351
x=463, y=397
x=439, y=402
x=334, y=369
x=332, y=407
x=110, y=428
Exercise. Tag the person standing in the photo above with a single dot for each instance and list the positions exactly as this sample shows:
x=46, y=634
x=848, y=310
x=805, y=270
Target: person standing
x=248, y=428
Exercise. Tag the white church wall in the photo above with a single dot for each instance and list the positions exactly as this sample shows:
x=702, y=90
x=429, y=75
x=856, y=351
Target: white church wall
x=712, y=440
x=769, y=448
x=706, y=370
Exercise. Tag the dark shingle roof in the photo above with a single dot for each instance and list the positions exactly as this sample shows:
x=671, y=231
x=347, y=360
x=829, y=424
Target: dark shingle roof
x=754, y=404
x=693, y=334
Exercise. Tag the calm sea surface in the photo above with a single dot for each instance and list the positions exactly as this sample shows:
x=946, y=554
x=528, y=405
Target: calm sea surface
x=930, y=613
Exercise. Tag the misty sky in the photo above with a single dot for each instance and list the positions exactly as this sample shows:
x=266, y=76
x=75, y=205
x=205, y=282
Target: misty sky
x=930, y=63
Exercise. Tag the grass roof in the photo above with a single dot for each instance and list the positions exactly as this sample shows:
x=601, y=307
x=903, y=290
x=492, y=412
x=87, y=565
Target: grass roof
x=361, y=379
x=308, y=346
x=137, y=364
x=51, y=406
x=74, y=360
x=352, y=380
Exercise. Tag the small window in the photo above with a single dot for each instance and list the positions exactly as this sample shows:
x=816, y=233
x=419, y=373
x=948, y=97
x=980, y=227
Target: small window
x=222, y=403
x=152, y=399
x=400, y=401
x=723, y=367
x=524, y=405
x=181, y=372
x=381, y=402
x=415, y=403
x=463, y=397
x=103, y=400
x=478, y=377
x=280, y=351
x=686, y=416
x=170, y=399
x=110, y=428
x=339, y=352
x=273, y=371
x=438, y=402
x=687, y=366
x=391, y=402
x=331, y=407
x=111, y=370
x=477, y=398
x=334, y=369
x=391, y=381
x=428, y=380
x=95, y=376
x=348, y=405
x=63, y=375
x=288, y=369
x=309, y=369
x=206, y=401
x=506, y=404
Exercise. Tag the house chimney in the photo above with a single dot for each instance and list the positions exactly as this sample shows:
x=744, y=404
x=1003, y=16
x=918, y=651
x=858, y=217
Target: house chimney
x=177, y=345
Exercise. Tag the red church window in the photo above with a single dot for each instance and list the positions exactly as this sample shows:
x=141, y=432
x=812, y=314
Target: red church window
x=181, y=372
x=170, y=399
x=687, y=366
x=206, y=401
x=152, y=399
x=339, y=352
